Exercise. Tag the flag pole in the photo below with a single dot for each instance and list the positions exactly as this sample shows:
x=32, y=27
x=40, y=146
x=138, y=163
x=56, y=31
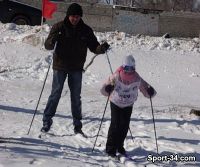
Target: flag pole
x=42, y=12
x=42, y=18
x=42, y=21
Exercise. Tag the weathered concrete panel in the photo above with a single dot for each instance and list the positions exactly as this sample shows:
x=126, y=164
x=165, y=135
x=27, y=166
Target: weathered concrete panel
x=100, y=23
x=98, y=17
x=135, y=22
x=180, y=24
x=105, y=18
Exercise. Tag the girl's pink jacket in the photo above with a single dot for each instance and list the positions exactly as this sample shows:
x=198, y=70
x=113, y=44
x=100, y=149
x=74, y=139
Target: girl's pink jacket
x=126, y=87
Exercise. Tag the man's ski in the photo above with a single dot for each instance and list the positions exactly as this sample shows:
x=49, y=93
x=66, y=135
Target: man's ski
x=86, y=139
x=42, y=135
x=81, y=135
x=47, y=134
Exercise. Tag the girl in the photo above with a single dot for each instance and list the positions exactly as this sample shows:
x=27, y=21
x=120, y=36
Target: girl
x=122, y=89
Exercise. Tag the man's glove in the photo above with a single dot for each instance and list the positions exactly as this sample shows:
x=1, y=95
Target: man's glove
x=150, y=91
x=109, y=88
x=56, y=37
x=104, y=47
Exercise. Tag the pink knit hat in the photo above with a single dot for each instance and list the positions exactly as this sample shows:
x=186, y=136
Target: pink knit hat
x=127, y=69
x=129, y=63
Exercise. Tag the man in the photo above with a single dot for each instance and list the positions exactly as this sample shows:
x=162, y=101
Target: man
x=73, y=37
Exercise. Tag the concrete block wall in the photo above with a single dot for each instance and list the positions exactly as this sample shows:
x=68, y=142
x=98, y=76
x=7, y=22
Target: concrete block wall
x=179, y=24
x=130, y=20
x=167, y=5
x=99, y=18
x=135, y=22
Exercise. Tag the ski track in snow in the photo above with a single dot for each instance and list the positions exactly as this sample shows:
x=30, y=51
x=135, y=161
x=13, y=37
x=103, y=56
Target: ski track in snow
x=164, y=63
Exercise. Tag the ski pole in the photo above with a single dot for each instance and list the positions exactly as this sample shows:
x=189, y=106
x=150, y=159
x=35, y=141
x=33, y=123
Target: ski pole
x=154, y=124
x=91, y=61
x=112, y=73
x=101, y=122
x=109, y=63
x=41, y=91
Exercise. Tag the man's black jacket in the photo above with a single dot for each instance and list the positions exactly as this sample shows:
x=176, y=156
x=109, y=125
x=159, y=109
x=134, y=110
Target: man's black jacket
x=72, y=44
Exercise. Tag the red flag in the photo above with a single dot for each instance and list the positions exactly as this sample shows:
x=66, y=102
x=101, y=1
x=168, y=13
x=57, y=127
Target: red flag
x=48, y=8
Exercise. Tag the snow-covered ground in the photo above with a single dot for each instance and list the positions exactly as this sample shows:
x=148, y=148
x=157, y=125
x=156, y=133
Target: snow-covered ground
x=170, y=65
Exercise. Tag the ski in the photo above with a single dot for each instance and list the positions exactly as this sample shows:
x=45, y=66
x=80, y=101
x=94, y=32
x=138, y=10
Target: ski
x=81, y=135
x=41, y=135
x=114, y=162
x=45, y=134
x=124, y=159
x=2, y=71
x=83, y=138
x=195, y=112
x=128, y=161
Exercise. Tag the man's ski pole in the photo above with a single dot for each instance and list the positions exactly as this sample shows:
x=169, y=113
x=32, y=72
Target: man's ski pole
x=109, y=63
x=154, y=124
x=41, y=91
x=91, y=61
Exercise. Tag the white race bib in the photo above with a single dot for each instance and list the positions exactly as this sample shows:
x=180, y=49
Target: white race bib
x=125, y=95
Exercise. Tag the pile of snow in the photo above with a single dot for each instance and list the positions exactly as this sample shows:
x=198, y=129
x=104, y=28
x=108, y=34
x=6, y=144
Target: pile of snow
x=35, y=36
x=170, y=65
x=152, y=43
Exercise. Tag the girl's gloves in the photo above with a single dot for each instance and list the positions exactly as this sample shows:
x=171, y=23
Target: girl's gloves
x=150, y=91
x=109, y=88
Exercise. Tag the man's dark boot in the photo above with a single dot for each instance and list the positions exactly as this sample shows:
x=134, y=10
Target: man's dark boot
x=46, y=126
x=79, y=131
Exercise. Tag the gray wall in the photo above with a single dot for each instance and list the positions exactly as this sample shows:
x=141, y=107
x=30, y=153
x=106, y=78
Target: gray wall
x=134, y=21
x=179, y=24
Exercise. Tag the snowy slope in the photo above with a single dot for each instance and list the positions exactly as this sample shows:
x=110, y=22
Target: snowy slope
x=170, y=65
